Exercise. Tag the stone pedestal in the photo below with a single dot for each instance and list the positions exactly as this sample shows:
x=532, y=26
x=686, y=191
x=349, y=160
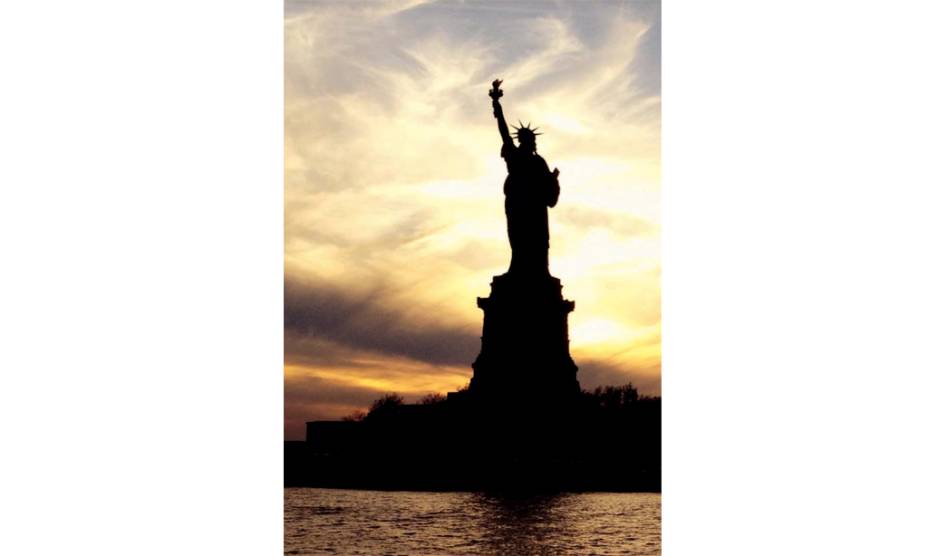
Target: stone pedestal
x=525, y=355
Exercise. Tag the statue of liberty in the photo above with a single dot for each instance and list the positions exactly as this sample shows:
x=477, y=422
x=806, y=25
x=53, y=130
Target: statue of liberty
x=530, y=189
x=524, y=358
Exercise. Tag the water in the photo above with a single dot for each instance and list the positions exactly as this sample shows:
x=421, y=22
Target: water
x=331, y=521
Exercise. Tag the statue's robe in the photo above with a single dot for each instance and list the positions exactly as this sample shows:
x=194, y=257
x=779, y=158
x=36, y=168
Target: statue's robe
x=530, y=189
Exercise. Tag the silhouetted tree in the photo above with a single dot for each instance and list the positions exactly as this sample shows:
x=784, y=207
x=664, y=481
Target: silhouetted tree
x=385, y=405
x=629, y=394
x=615, y=397
x=356, y=415
x=431, y=399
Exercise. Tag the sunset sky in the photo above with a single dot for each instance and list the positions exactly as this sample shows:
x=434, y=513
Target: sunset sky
x=394, y=204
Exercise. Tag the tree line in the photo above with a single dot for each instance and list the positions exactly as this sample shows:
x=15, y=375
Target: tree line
x=603, y=397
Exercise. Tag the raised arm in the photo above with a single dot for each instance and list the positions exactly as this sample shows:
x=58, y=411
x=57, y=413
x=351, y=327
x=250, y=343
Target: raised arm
x=495, y=93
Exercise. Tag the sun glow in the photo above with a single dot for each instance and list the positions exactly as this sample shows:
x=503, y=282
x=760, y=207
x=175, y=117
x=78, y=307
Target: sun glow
x=596, y=331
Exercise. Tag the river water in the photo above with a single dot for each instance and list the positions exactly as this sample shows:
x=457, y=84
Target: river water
x=332, y=521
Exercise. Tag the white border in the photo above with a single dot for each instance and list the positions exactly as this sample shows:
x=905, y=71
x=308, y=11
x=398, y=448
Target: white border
x=794, y=278
x=142, y=236
x=141, y=231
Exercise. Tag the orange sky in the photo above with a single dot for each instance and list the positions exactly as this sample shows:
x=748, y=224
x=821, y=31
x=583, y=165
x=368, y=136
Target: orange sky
x=394, y=205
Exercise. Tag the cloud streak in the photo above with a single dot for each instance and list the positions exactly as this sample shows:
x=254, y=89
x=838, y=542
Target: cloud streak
x=364, y=319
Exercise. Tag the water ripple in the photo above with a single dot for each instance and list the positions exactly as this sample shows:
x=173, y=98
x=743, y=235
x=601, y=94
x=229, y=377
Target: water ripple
x=375, y=522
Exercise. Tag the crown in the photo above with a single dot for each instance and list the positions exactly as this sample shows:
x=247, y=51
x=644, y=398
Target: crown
x=524, y=131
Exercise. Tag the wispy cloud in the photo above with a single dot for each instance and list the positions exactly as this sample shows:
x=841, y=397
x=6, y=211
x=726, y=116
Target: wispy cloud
x=376, y=318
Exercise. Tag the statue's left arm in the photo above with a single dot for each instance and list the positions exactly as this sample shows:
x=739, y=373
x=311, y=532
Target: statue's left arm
x=554, y=186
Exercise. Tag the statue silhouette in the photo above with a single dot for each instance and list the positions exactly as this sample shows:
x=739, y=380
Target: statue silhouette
x=524, y=356
x=530, y=189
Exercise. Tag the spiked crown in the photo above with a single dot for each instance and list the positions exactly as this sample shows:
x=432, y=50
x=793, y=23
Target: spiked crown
x=525, y=132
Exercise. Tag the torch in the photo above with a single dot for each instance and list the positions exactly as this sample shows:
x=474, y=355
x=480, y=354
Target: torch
x=496, y=92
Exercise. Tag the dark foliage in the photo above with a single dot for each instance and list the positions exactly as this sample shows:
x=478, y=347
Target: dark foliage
x=355, y=416
x=384, y=406
x=613, y=397
x=431, y=399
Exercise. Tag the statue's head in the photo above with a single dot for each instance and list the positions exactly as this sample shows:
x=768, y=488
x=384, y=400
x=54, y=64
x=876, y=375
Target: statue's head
x=526, y=136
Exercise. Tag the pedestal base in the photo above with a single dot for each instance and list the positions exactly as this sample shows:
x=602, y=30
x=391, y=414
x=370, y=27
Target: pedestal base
x=525, y=356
